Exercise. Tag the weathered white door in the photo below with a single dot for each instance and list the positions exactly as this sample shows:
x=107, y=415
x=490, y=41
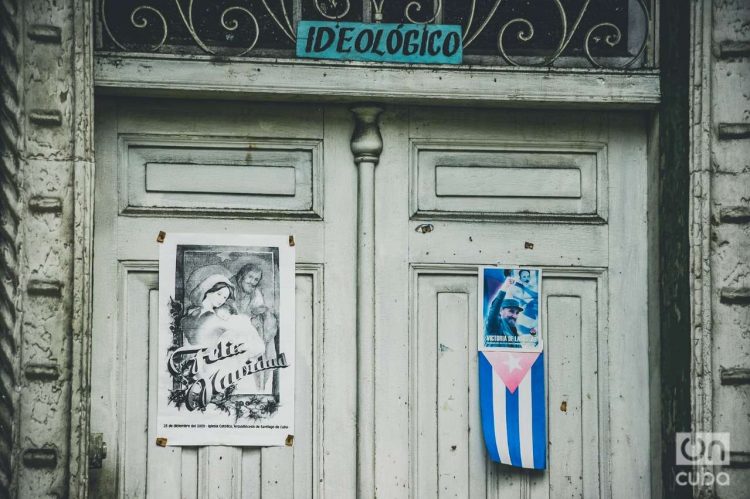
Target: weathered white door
x=267, y=169
x=455, y=188
x=567, y=192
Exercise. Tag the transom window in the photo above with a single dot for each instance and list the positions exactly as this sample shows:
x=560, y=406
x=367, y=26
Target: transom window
x=565, y=33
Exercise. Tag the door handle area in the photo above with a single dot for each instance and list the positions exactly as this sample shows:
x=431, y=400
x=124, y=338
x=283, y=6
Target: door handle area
x=97, y=450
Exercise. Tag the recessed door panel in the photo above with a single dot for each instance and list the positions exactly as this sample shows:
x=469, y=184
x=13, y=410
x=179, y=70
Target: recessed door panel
x=450, y=458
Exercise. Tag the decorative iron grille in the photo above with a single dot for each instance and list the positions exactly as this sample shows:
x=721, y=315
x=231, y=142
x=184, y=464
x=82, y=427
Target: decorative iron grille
x=599, y=33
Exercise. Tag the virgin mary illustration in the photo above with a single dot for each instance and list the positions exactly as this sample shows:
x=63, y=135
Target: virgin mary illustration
x=211, y=318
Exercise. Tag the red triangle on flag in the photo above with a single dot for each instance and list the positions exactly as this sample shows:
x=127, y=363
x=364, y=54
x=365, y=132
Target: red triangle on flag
x=511, y=367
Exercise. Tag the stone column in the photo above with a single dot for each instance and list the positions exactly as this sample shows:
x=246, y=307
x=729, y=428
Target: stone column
x=367, y=144
x=11, y=153
x=53, y=105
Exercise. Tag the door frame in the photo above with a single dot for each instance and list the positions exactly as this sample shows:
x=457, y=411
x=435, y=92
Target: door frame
x=637, y=90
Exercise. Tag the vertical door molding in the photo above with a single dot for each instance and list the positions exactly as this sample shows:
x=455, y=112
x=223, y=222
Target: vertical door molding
x=701, y=386
x=366, y=144
x=83, y=244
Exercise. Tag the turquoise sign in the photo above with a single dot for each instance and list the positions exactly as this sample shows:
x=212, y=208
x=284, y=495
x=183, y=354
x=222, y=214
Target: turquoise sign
x=406, y=43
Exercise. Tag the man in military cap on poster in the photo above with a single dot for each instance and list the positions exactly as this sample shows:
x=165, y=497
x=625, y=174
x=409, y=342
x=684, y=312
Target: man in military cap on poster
x=503, y=313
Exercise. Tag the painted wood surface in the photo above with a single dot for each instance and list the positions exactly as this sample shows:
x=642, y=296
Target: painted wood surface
x=492, y=179
x=349, y=81
x=125, y=379
x=425, y=425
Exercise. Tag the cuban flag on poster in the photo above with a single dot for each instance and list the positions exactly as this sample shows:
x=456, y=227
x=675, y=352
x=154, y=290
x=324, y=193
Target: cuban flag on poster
x=511, y=367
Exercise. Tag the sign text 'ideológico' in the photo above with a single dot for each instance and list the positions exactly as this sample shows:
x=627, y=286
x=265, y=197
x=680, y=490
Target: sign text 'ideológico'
x=404, y=43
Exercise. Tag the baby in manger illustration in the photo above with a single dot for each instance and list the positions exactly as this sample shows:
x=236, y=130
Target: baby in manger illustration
x=230, y=308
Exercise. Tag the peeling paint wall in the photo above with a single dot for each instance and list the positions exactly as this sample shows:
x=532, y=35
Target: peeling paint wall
x=720, y=235
x=46, y=250
x=45, y=93
x=730, y=235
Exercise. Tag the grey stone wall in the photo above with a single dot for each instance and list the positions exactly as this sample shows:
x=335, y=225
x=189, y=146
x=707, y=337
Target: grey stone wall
x=730, y=235
x=720, y=235
x=45, y=123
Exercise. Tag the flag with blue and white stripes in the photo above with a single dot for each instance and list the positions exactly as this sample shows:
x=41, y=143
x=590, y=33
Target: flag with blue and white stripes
x=512, y=402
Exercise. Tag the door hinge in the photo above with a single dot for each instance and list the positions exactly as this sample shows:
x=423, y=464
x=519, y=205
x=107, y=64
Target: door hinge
x=97, y=450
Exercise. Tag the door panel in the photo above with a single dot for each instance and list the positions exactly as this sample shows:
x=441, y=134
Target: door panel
x=186, y=173
x=575, y=346
x=248, y=137
x=164, y=472
x=450, y=455
x=491, y=178
x=575, y=205
x=450, y=460
x=586, y=230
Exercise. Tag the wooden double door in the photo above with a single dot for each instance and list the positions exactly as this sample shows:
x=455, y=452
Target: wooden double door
x=454, y=189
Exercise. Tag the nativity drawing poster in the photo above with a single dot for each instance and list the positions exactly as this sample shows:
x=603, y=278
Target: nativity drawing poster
x=226, y=340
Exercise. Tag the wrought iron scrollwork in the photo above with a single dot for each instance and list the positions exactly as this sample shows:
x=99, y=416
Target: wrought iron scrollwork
x=139, y=20
x=591, y=42
x=526, y=32
x=614, y=39
x=417, y=7
x=332, y=9
x=229, y=21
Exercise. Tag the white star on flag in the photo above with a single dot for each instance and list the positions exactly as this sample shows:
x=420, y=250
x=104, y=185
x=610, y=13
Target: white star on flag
x=512, y=362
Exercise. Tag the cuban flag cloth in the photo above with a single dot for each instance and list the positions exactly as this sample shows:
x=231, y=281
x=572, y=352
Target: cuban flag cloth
x=512, y=403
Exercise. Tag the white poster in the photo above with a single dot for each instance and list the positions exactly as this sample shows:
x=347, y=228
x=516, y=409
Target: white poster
x=226, y=340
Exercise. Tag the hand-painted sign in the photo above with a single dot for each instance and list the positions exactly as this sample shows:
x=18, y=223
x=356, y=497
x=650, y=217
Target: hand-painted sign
x=405, y=43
